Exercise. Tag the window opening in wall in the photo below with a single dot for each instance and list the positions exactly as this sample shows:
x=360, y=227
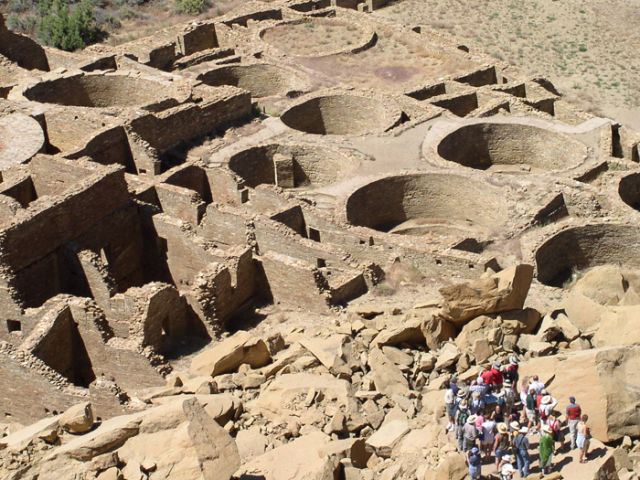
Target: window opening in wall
x=14, y=326
x=314, y=234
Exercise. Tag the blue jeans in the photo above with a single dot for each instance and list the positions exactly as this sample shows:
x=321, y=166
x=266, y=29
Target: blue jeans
x=523, y=462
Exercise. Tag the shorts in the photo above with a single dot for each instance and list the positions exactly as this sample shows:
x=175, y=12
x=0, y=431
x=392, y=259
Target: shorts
x=582, y=442
x=451, y=410
x=487, y=441
x=501, y=453
x=531, y=415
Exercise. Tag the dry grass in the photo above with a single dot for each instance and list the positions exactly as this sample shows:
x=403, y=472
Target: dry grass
x=589, y=48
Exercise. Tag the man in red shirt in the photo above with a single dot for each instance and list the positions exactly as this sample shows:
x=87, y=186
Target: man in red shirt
x=574, y=412
x=486, y=375
x=496, y=377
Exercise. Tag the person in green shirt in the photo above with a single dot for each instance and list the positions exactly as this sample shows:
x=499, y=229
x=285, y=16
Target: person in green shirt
x=546, y=449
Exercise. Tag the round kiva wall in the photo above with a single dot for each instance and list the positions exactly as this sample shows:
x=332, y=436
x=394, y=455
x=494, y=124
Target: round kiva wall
x=584, y=247
x=341, y=115
x=98, y=91
x=482, y=145
x=421, y=203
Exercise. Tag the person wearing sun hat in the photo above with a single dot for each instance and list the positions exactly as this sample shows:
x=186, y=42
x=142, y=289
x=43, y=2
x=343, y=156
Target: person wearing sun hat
x=545, y=449
x=547, y=404
x=470, y=434
x=462, y=414
x=507, y=471
x=521, y=449
x=501, y=444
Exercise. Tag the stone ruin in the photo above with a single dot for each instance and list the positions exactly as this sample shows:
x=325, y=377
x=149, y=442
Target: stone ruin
x=277, y=233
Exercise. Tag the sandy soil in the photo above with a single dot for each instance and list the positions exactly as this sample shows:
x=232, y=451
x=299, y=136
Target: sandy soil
x=589, y=48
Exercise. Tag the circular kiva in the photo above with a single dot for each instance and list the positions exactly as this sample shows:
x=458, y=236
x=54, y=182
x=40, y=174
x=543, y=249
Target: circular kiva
x=587, y=246
x=342, y=115
x=318, y=37
x=482, y=145
x=417, y=204
x=629, y=190
x=262, y=80
x=21, y=137
x=307, y=165
x=98, y=91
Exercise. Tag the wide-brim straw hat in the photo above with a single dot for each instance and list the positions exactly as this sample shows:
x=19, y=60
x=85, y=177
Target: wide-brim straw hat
x=502, y=428
x=546, y=400
x=515, y=425
x=472, y=419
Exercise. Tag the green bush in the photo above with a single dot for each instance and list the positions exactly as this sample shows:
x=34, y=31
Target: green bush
x=63, y=28
x=192, y=7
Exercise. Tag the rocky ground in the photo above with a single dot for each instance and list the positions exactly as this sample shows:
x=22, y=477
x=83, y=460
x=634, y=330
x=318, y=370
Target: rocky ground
x=359, y=395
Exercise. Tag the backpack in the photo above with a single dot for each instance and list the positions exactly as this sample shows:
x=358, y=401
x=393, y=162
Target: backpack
x=463, y=415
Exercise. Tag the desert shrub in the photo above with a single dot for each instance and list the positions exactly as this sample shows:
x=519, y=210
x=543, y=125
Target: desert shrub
x=22, y=24
x=19, y=6
x=67, y=29
x=192, y=7
x=106, y=20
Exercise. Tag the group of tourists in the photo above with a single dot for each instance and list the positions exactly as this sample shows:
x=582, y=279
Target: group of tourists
x=496, y=414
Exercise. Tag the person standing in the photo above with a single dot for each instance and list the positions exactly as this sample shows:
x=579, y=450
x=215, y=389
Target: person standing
x=474, y=460
x=509, y=396
x=470, y=434
x=462, y=414
x=521, y=449
x=501, y=444
x=450, y=404
x=488, y=436
x=530, y=407
x=546, y=449
x=477, y=403
x=583, y=438
x=536, y=384
x=574, y=412
x=556, y=430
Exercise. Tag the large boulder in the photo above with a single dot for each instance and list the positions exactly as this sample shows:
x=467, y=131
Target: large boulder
x=329, y=351
x=195, y=447
x=494, y=293
x=605, y=383
x=387, y=376
x=228, y=355
x=78, y=418
x=618, y=326
x=408, y=332
x=178, y=441
x=305, y=458
x=284, y=393
x=603, y=284
x=437, y=330
x=452, y=467
x=383, y=440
